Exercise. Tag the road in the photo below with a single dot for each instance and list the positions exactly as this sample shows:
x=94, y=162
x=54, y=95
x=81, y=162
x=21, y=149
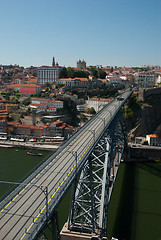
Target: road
x=25, y=210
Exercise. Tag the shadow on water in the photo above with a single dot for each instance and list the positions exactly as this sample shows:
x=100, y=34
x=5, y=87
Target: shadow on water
x=152, y=167
x=122, y=225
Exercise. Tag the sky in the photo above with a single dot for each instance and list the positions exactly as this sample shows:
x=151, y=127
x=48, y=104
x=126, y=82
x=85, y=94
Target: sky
x=101, y=32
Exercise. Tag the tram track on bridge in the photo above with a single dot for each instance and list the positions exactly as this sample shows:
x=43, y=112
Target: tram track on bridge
x=51, y=170
x=44, y=181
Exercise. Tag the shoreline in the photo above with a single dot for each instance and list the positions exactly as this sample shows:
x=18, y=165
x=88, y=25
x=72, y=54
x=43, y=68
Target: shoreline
x=30, y=145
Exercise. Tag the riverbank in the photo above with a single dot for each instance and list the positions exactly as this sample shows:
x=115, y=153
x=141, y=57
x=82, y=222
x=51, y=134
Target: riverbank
x=31, y=145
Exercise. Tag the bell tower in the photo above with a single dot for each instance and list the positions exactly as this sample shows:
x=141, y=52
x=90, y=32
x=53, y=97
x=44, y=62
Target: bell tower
x=53, y=63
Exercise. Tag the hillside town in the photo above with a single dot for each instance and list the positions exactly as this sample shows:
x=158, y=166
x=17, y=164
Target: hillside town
x=48, y=103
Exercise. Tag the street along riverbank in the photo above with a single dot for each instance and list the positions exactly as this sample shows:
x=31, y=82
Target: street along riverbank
x=48, y=146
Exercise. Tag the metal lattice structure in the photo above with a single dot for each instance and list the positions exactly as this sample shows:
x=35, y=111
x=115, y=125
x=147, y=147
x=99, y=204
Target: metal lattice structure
x=96, y=150
x=92, y=192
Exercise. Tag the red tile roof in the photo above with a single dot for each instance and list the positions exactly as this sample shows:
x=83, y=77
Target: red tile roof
x=153, y=136
x=22, y=85
x=40, y=99
x=17, y=124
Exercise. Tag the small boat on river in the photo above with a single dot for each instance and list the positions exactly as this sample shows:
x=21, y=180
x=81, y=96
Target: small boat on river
x=34, y=154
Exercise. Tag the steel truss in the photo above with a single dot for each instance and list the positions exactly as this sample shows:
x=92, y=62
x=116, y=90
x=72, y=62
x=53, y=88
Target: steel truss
x=53, y=226
x=92, y=192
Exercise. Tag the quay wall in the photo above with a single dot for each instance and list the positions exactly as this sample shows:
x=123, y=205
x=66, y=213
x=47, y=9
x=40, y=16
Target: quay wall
x=144, y=153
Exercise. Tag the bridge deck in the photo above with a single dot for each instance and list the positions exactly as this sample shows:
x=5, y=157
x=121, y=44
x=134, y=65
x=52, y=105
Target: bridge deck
x=24, y=212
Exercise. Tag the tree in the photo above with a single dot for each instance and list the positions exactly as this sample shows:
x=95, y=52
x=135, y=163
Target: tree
x=14, y=101
x=47, y=85
x=102, y=74
x=63, y=73
x=34, y=74
x=26, y=102
x=83, y=118
x=93, y=71
x=70, y=72
x=81, y=74
x=90, y=110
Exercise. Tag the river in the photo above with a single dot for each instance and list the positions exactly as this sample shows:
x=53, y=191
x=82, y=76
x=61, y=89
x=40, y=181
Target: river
x=134, y=210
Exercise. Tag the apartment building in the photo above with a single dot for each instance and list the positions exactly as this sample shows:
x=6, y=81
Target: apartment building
x=146, y=80
x=97, y=103
x=153, y=140
x=74, y=82
x=58, y=128
x=46, y=105
x=55, y=104
x=25, y=89
x=21, y=129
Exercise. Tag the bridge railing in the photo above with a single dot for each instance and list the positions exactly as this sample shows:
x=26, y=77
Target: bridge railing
x=13, y=191
x=60, y=193
x=27, y=178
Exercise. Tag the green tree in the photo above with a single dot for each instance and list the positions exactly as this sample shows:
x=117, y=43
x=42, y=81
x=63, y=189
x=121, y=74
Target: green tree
x=26, y=102
x=83, y=118
x=34, y=74
x=63, y=73
x=128, y=113
x=47, y=85
x=93, y=71
x=90, y=110
x=102, y=74
x=81, y=74
x=14, y=101
x=70, y=72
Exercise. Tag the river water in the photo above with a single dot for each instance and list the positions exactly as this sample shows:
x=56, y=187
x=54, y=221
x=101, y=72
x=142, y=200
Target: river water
x=135, y=207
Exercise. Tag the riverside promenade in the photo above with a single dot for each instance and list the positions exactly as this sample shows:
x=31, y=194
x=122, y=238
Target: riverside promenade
x=31, y=145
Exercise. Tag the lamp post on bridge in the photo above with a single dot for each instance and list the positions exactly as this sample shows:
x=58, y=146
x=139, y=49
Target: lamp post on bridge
x=70, y=219
x=74, y=153
x=104, y=121
x=93, y=132
x=44, y=189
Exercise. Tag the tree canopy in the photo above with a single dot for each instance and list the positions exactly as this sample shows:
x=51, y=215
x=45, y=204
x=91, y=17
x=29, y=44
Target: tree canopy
x=71, y=73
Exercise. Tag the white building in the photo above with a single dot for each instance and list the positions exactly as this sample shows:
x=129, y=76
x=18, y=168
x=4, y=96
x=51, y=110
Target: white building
x=48, y=74
x=46, y=104
x=153, y=140
x=158, y=79
x=97, y=103
x=74, y=82
x=55, y=104
x=40, y=100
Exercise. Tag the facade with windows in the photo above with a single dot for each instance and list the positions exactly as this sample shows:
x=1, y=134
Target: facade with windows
x=46, y=105
x=146, y=80
x=48, y=74
x=153, y=140
x=74, y=82
x=97, y=103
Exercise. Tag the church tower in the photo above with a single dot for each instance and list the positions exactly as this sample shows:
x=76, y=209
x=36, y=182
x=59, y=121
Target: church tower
x=53, y=63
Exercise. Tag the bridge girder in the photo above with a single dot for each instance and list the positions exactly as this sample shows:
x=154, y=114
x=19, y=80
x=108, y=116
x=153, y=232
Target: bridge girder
x=92, y=192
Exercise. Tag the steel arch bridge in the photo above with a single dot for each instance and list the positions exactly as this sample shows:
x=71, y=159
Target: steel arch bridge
x=94, y=152
x=92, y=191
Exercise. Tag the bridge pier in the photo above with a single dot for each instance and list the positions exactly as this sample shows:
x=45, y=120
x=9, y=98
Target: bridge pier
x=66, y=234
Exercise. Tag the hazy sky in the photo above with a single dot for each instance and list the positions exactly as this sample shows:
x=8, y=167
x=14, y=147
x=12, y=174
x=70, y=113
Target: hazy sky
x=102, y=32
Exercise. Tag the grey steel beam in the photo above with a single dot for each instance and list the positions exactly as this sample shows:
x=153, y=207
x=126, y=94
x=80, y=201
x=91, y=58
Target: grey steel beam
x=94, y=189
